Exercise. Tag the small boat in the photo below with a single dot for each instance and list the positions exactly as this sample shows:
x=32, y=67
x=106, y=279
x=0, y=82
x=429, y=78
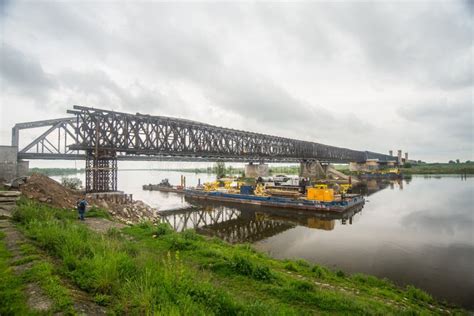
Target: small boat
x=163, y=186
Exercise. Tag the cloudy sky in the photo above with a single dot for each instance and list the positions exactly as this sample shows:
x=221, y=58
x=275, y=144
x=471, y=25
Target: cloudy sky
x=363, y=75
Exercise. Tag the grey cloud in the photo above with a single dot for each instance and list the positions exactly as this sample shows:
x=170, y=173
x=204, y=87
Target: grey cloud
x=411, y=41
x=97, y=87
x=222, y=54
x=450, y=118
x=23, y=75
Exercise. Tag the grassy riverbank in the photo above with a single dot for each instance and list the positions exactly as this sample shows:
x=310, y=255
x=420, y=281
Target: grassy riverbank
x=146, y=269
x=56, y=171
x=440, y=168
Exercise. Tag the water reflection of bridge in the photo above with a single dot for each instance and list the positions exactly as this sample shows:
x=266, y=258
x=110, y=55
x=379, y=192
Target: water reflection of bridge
x=248, y=224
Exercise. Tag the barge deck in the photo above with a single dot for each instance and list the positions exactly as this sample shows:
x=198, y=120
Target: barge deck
x=162, y=188
x=344, y=204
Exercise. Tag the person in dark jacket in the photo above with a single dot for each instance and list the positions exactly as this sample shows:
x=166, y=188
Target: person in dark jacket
x=81, y=208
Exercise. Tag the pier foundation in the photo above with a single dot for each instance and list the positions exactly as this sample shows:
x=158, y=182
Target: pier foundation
x=312, y=169
x=257, y=170
x=10, y=166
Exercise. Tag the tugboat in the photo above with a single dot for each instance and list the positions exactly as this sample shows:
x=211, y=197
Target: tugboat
x=163, y=186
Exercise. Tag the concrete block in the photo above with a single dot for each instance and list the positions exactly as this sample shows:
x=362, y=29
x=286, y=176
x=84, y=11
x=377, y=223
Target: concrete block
x=8, y=153
x=312, y=169
x=255, y=171
x=22, y=168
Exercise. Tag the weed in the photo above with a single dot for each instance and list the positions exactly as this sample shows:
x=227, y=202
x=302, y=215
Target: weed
x=320, y=272
x=302, y=263
x=25, y=260
x=302, y=285
x=417, y=294
x=291, y=266
x=244, y=266
x=102, y=299
x=371, y=281
x=163, y=229
x=177, y=242
x=190, y=234
x=98, y=213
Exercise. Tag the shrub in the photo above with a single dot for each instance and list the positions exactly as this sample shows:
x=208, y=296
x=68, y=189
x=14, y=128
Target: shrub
x=163, y=229
x=417, y=294
x=340, y=274
x=177, y=242
x=71, y=183
x=302, y=285
x=320, y=272
x=371, y=280
x=291, y=266
x=244, y=266
x=302, y=263
x=99, y=213
x=190, y=234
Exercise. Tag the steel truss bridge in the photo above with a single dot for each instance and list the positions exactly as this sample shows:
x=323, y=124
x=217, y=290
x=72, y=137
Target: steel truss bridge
x=101, y=137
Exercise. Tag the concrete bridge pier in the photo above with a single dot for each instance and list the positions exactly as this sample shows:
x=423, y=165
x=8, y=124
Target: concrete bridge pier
x=313, y=169
x=10, y=166
x=257, y=170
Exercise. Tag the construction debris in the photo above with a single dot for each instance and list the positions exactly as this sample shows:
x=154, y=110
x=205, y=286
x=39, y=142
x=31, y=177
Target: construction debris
x=44, y=189
x=8, y=202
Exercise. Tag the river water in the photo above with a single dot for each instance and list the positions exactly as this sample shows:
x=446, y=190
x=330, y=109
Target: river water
x=417, y=231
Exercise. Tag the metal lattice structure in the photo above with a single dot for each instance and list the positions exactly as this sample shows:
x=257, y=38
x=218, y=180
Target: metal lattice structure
x=157, y=135
x=101, y=171
x=101, y=137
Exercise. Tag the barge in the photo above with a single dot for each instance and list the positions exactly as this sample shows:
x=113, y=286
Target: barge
x=342, y=204
x=161, y=188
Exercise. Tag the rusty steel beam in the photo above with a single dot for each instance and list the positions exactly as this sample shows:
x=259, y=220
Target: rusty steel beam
x=138, y=134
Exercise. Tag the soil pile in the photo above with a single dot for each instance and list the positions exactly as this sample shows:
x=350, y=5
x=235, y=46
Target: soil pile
x=44, y=189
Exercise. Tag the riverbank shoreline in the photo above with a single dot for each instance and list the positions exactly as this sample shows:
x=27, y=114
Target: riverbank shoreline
x=122, y=267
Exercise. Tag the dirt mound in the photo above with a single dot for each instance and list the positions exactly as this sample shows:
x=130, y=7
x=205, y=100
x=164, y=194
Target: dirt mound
x=45, y=189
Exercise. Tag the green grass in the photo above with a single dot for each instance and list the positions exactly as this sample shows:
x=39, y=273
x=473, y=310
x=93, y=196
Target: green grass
x=98, y=213
x=440, y=168
x=44, y=275
x=147, y=269
x=12, y=299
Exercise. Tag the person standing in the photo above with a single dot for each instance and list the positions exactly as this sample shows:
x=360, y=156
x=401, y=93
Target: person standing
x=81, y=208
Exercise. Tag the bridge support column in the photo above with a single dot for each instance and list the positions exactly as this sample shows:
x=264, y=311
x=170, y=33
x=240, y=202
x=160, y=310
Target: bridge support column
x=312, y=169
x=255, y=171
x=10, y=166
x=369, y=165
x=101, y=172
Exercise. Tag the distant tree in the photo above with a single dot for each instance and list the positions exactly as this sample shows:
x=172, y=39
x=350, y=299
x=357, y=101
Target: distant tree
x=452, y=161
x=407, y=165
x=219, y=168
x=457, y=161
x=468, y=161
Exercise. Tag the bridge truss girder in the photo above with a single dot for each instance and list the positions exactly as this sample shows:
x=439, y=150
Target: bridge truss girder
x=157, y=135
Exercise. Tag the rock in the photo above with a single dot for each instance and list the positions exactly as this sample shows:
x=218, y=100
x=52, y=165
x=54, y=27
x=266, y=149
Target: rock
x=10, y=193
